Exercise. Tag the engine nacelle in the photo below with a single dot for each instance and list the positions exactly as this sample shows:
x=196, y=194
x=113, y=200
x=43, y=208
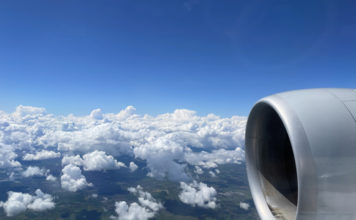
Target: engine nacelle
x=301, y=154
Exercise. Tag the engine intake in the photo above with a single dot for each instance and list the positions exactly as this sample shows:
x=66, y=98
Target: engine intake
x=301, y=154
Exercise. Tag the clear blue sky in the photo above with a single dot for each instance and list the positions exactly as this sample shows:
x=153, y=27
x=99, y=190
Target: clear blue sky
x=209, y=56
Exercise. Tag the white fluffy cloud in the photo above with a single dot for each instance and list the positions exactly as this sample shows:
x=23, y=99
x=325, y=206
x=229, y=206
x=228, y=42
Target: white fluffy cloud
x=7, y=157
x=51, y=178
x=41, y=201
x=75, y=160
x=42, y=155
x=145, y=198
x=146, y=208
x=131, y=212
x=28, y=112
x=174, y=139
x=34, y=171
x=244, y=205
x=99, y=160
x=18, y=202
x=96, y=114
x=94, y=161
x=198, y=194
x=133, y=167
x=72, y=178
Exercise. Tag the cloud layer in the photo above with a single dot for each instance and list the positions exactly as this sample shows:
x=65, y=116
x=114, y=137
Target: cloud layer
x=174, y=139
x=169, y=144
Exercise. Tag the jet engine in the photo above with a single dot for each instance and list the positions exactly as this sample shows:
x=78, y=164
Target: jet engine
x=301, y=155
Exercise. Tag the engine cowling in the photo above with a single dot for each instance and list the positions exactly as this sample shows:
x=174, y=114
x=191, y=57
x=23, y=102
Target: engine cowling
x=301, y=154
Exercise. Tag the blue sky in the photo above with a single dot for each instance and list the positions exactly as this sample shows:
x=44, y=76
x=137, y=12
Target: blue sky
x=210, y=56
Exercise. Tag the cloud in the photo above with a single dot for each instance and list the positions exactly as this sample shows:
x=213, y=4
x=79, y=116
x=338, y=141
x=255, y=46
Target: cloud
x=131, y=212
x=34, y=171
x=96, y=114
x=146, y=208
x=126, y=113
x=18, y=202
x=42, y=155
x=94, y=195
x=163, y=151
x=212, y=174
x=51, y=178
x=98, y=160
x=145, y=198
x=133, y=167
x=28, y=112
x=174, y=139
x=7, y=157
x=72, y=178
x=75, y=160
x=215, y=158
x=41, y=201
x=244, y=205
x=198, y=194
x=169, y=144
x=198, y=170
x=94, y=161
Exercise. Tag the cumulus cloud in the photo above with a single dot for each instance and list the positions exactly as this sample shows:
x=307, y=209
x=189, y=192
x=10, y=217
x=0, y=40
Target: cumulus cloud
x=198, y=194
x=126, y=113
x=7, y=157
x=146, y=208
x=133, y=167
x=72, y=178
x=244, y=205
x=174, y=139
x=42, y=155
x=99, y=160
x=51, y=178
x=18, y=202
x=41, y=201
x=167, y=152
x=34, y=171
x=145, y=198
x=94, y=161
x=75, y=160
x=28, y=112
x=96, y=114
x=131, y=212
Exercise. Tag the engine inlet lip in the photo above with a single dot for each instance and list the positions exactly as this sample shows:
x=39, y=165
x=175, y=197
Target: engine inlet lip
x=305, y=167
